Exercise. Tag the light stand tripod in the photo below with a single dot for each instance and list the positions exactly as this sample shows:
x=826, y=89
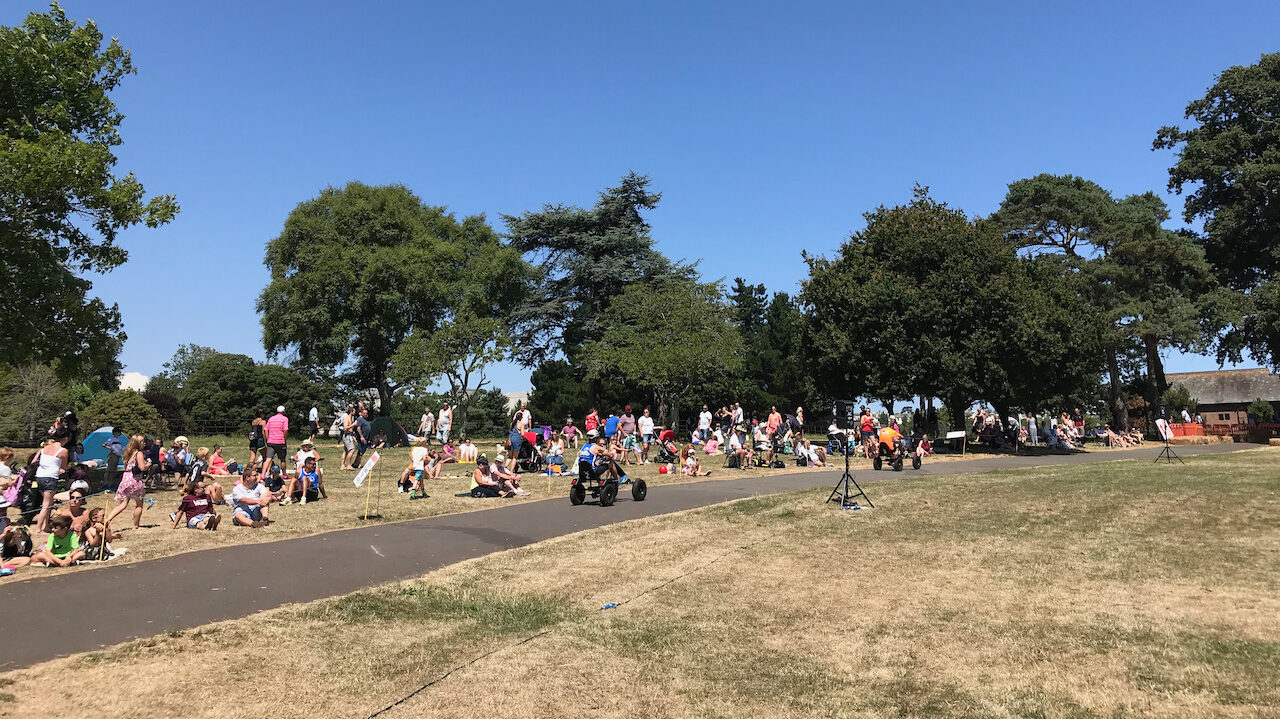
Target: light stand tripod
x=1167, y=454
x=842, y=486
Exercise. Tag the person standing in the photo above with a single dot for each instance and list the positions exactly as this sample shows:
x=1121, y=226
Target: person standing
x=526, y=417
x=775, y=420
x=592, y=422
x=314, y=418
x=348, y=421
x=738, y=414
x=364, y=436
x=704, y=423
x=131, y=488
x=115, y=450
x=426, y=424
x=277, y=436
x=646, y=434
x=1033, y=432
x=53, y=460
x=444, y=423
x=257, y=437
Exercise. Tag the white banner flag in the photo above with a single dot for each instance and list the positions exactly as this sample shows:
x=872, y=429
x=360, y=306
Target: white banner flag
x=364, y=471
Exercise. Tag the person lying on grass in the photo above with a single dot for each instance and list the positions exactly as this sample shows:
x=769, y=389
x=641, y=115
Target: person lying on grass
x=483, y=483
x=250, y=500
x=92, y=534
x=307, y=485
x=195, y=510
x=507, y=479
x=63, y=546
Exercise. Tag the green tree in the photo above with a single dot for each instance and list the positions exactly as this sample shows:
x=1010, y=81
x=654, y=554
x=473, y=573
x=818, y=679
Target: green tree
x=586, y=258
x=945, y=308
x=178, y=369
x=61, y=203
x=1260, y=410
x=169, y=409
x=127, y=410
x=219, y=394
x=667, y=337
x=1231, y=159
x=355, y=272
x=1178, y=398
x=558, y=392
x=34, y=396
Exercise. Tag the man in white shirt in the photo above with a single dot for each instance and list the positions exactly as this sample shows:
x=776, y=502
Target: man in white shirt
x=526, y=418
x=737, y=413
x=314, y=418
x=1186, y=416
x=738, y=448
x=444, y=423
x=704, y=423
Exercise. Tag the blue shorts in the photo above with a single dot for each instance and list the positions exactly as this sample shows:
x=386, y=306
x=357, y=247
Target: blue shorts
x=253, y=513
x=648, y=438
x=196, y=520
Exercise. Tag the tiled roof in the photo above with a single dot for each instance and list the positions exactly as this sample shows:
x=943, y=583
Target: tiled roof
x=1233, y=386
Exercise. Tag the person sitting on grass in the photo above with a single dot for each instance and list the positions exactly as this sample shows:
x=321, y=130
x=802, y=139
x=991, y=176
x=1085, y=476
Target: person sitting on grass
x=482, y=482
x=92, y=534
x=692, y=467
x=63, y=546
x=507, y=479
x=1113, y=439
x=15, y=546
x=555, y=450
x=250, y=500
x=217, y=465
x=76, y=509
x=307, y=484
x=195, y=509
x=467, y=451
x=816, y=456
x=712, y=446
x=448, y=453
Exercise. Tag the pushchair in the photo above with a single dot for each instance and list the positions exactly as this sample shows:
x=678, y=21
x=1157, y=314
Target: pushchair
x=667, y=452
x=530, y=458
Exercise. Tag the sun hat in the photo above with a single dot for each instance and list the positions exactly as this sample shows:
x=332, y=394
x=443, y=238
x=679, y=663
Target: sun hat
x=307, y=443
x=593, y=434
x=181, y=439
x=500, y=459
x=280, y=409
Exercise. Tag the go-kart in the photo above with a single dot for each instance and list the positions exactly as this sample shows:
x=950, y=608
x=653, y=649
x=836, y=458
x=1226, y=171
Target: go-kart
x=895, y=456
x=604, y=488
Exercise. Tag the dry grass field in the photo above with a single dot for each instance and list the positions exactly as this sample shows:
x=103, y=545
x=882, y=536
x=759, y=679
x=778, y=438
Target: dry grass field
x=1120, y=589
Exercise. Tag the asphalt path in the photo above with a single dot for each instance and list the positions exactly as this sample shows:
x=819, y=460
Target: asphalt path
x=76, y=612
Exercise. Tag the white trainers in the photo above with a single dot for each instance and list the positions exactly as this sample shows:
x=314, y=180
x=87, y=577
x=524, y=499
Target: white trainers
x=303, y=500
x=287, y=500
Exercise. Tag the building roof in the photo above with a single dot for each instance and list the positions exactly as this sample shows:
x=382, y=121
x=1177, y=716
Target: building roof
x=1232, y=386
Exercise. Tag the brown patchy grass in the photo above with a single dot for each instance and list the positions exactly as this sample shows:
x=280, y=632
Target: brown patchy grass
x=1122, y=589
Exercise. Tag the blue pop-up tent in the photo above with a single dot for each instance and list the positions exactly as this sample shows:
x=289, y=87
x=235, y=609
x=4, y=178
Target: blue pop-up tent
x=93, y=448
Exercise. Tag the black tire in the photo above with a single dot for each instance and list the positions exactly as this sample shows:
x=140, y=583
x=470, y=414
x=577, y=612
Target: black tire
x=915, y=461
x=876, y=464
x=608, y=494
x=577, y=494
x=639, y=490
x=897, y=464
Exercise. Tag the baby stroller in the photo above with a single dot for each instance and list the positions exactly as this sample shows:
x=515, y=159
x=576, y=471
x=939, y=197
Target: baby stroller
x=530, y=458
x=667, y=452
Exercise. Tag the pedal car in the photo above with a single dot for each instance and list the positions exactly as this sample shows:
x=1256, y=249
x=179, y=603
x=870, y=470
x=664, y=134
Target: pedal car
x=895, y=454
x=604, y=488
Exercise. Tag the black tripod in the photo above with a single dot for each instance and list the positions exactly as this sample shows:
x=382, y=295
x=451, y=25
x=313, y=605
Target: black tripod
x=1167, y=454
x=842, y=486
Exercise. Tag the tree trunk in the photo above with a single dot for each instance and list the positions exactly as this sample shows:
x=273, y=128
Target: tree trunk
x=1155, y=377
x=1119, y=412
x=384, y=394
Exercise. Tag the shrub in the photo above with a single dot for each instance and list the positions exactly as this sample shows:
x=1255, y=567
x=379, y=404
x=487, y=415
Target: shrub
x=1178, y=398
x=1260, y=410
x=127, y=410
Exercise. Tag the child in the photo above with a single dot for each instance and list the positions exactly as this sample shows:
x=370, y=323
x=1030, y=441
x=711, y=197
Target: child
x=692, y=468
x=15, y=546
x=713, y=445
x=63, y=548
x=417, y=465
x=91, y=537
x=196, y=509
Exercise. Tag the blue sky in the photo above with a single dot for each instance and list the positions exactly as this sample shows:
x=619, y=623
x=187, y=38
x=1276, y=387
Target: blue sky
x=768, y=127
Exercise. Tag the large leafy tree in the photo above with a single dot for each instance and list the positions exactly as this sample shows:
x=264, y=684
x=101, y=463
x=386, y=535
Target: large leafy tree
x=33, y=396
x=1152, y=285
x=127, y=410
x=1230, y=158
x=62, y=204
x=925, y=302
x=666, y=337
x=773, y=332
x=585, y=259
x=355, y=272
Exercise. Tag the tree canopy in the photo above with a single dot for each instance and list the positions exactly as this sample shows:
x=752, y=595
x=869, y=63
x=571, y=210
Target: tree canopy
x=1230, y=158
x=127, y=410
x=62, y=205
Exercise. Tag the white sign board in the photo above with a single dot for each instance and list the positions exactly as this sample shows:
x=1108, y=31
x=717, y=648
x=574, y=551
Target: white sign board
x=364, y=471
x=956, y=434
x=1166, y=432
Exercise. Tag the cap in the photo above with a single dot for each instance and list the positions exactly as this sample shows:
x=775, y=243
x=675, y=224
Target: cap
x=593, y=433
x=280, y=409
x=627, y=408
x=81, y=485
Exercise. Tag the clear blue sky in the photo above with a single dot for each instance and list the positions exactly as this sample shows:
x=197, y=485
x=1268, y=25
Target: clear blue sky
x=768, y=127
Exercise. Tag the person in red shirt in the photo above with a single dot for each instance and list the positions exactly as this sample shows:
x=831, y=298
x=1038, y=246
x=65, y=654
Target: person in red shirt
x=775, y=420
x=593, y=420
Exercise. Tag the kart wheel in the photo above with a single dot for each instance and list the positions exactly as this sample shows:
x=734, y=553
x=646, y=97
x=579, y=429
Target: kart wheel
x=639, y=490
x=608, y=494
x=876, y=463
x=915, y=461
x=897, y=464
x=577, y=494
